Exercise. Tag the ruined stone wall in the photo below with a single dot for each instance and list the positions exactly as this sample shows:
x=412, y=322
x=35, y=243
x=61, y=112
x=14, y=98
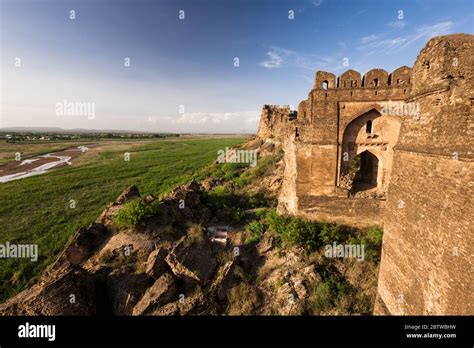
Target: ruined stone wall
x=426, y=265
x=275, y=122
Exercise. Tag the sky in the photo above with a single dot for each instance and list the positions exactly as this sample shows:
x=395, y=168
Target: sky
x=136, y=65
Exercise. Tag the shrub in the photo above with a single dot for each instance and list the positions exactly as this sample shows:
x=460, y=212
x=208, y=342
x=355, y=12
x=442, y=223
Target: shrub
x=238, y=215
x=196, y=235
x=242, y=299
x=231, y=170
x=223, y=256
x=257, y=200
x=241, y=181
x=276, y=222
x=295, y=231
x=328, y=293
x=330, y=233
x=135, y=212
x=261, y=213
x=264, y=165
x=279, y=283
x=372, y=241
x=219, y=198
x=255, y=231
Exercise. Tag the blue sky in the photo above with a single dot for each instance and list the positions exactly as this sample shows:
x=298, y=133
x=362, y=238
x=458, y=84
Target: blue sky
x=182, y=76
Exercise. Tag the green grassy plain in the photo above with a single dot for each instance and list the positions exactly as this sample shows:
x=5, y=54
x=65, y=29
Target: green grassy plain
x=36, y=209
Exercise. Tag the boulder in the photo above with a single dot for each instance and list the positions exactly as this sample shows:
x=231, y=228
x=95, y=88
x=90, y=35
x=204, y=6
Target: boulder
x=82, y=244
x=66, y=290
x=156, y=264
x=125, y=289
x=189, y=304
x=160, y=293
x=298, y=283
x=129, y=193
x=169, y=309
x=265, y=244
x=223, y=280
x=149, y=198
x=191, y=261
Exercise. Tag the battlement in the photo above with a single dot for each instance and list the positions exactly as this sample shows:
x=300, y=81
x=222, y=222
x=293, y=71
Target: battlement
x=374, y=78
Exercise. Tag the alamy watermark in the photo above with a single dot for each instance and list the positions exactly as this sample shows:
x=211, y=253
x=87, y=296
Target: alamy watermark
x=69, y=108
x=237, y=156
x=345, y=251
x=400, y=108
x=19, y=251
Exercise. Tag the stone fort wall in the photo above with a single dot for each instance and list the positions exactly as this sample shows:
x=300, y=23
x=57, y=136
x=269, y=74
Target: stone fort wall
x=424, y=175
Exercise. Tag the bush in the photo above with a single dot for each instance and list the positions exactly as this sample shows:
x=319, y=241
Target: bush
x=135, y=212
x=330, y=233
x=255, y=231
x=261, y=213
x=196, y=235
x=219, y=198
x=231, y=170
x=372, y=241
x=295, y=231
x=328, y=294
x=242, y=299
x=276, y=222
x=257, y=200
x=241, y=181
x=238, y=215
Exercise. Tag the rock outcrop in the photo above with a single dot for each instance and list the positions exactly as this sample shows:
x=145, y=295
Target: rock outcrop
x=64, y=290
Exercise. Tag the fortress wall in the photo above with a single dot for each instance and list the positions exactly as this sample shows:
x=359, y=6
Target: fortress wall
x=427, y=246
x=427, y=260
x=353, y=211
x=287, y=200
x=443, y=80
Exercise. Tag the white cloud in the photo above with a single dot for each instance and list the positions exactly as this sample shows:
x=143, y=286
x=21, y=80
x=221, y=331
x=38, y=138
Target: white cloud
x=275, y=60
x=281, y=56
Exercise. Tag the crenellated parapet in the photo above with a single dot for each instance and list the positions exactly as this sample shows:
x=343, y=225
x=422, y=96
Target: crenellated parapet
x=352, y=79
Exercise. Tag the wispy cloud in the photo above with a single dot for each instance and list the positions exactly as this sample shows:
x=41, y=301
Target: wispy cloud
x=384, y=43
x=316, y=3
x=275, y=59
x=368, y=39
x=278, y=57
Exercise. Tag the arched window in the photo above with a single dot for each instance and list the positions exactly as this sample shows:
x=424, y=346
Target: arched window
x=325, y=85
x=376, y=82
x=368, y=127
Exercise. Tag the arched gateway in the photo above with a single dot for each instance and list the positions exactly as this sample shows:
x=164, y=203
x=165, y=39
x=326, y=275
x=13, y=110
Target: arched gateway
x=366, y=154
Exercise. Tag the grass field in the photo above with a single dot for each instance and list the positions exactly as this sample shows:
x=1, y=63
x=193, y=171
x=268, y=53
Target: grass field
x=36, y=210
